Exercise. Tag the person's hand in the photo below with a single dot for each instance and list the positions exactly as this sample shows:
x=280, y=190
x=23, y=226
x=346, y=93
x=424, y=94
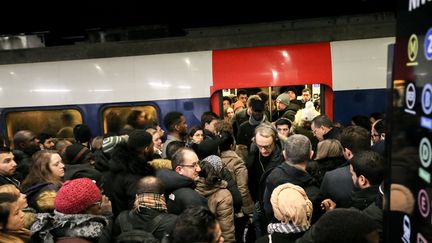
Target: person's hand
x=105, y=206
x=328, y=204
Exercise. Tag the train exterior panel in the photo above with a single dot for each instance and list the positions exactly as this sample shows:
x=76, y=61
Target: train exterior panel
x=359, y=72
x=354, y=73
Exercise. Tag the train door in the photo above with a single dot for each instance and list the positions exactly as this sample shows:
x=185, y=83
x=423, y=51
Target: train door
x=273, y=69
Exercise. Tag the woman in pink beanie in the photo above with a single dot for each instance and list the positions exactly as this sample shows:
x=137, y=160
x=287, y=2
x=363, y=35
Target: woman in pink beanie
x=81, y=213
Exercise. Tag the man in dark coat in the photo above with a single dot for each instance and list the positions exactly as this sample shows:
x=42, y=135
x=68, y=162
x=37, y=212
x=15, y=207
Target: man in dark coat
x=247, y=129
x=128, y=164
x=180, y=182
x=265, y=154
x=337, y=184
x=297, y=152
x=150, y=210
x=26, y=144
x=322, y=128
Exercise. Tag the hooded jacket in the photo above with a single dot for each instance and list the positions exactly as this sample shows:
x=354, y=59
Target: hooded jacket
x=126, y=169
x=220, y=203
x=238, y=170
x=179, y=191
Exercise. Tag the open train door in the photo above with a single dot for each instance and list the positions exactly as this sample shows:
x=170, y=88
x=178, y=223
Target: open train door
x=269, y=68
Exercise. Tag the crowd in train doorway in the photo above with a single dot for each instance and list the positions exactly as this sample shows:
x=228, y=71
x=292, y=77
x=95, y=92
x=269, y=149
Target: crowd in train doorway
x=252, y=175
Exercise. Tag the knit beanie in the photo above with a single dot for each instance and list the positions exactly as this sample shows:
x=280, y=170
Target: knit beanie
x=283, y=98
x=76, y=196
x=309, y=112
x=139, y=138
x=109, y=143
x=215, y=161
x=291, y=204
x=82, y=133
x=75, y=153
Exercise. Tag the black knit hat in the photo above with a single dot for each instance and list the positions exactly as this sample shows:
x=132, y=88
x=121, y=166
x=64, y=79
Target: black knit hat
x=82, y=133
x=76, y=153
x=139, y=138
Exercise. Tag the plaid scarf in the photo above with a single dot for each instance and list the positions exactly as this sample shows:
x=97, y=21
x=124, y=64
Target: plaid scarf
x=150, y=200
x=286, y=228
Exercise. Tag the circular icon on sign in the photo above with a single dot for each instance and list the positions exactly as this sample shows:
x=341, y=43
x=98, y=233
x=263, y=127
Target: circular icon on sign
x=425, y=150
x=412, y=47
x=410, y=96
x=423, y=203
x=426, y=101
x=427, y=44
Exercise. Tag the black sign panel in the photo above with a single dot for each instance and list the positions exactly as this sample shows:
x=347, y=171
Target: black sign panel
x=409, y=219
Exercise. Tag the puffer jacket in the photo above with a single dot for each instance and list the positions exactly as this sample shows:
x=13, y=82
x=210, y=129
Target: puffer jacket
x=221, y=204
x=179, y=191
x=238, y=170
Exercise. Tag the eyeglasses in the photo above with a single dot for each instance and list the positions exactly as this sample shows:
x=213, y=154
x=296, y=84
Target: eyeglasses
x=265, y=147
x=195, y=165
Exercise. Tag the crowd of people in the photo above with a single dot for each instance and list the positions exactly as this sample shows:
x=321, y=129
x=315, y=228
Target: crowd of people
x=300, y=178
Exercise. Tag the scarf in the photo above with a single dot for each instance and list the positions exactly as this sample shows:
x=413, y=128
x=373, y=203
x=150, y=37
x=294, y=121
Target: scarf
x=286, y=228
x=72, y=225
x=254, y=122
x=150, y=200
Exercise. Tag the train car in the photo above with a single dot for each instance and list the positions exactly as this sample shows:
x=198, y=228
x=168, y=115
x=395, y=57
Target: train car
x=349, y=77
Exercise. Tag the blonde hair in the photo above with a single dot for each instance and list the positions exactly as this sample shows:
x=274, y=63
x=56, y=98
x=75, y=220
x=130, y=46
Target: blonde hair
x=152, y=131
x=9, y=188
x=329, y=148
x=291, y=205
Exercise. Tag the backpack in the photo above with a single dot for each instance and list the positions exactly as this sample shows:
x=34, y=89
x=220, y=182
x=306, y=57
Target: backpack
x=131, y=235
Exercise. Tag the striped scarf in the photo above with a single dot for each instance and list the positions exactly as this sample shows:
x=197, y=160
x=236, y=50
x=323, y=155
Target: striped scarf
x=286, y=228
x=150, y=200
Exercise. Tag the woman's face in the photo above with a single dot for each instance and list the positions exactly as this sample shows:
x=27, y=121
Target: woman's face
x=198, y=136
x=16, y=217
x=157, y=141
x=56, y=166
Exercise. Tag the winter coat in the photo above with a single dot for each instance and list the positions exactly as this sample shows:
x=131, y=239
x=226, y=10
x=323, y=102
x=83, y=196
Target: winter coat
x=179, y=191
x=126, y=169
x=286, y=173
x=334, y=133
x=361, y=199
x=238, y=170
x=255, y=165
x=102, y=160
x=233, y=189
x=221, y=204
x=16, y=236
x=82, y=171
x=337, y=185
x=141, y=218
x=318, y=168
x=41, y=196
x=4, y=180
x=24, y=161
x=50, y=228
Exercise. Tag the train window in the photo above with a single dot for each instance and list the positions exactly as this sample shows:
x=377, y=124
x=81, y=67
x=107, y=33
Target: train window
x=58, y=123
x=116, y=119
